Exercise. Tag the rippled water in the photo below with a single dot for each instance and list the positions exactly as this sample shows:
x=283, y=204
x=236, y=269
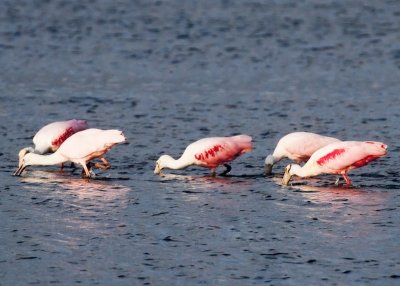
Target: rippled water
x=168, y=73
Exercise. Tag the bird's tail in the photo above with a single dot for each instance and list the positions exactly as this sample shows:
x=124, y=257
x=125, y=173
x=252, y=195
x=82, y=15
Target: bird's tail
x=376, y=148
x=79, y=125
x=115, y=136
x=244, y=142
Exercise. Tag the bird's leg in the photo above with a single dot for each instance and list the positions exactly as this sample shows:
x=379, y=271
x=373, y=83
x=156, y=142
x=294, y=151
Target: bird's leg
x=228, y=169
x=213, y=173
x=337, y=181
x=72, y=166
x=86, y=168
x=104, y=166
x=347, y=179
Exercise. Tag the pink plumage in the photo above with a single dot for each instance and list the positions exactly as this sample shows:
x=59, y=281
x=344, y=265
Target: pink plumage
x=92, y=143
x=338, y=158
x=79, y=148
x=50, y=137
x=297, y=146
x=347, y=155
x=208, y=152
x=212, y=152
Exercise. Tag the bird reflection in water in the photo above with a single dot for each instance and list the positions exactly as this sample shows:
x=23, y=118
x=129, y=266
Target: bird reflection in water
x=205, y=183
x=325, y=191
x=215, y=191
x=86, y=195
x=71, y=209
x=339, y=204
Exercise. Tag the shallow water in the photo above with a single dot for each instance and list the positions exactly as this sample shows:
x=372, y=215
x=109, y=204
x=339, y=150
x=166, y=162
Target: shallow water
x=168, y=73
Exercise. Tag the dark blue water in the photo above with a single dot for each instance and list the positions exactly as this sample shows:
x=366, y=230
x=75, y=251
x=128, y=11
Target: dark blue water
x=169, y=73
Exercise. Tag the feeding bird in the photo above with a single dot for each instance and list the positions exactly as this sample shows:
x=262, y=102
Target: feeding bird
x=337, y=158
x=297, y=146
x=50, y=137
x=79, y=148
x=208, y=152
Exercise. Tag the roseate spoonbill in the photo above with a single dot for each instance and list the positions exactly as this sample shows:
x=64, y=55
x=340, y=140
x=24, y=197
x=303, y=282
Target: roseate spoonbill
x=297, y=146
x=337, y=158
x=208, y=152
x=79, y=148
x=49, y=138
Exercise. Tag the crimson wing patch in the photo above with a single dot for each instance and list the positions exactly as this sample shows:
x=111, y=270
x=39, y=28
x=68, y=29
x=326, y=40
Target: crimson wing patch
x=212, y=152
x=330, y=156
x=60, y=139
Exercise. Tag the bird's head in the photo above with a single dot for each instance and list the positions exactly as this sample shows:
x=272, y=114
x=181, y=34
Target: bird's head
x=287, y=176
x=269, y=162
x=25, y=158
x=290, y=170
x=161, y=163
x=23, y=152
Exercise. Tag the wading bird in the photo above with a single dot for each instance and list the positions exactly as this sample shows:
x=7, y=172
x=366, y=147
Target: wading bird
x=79, y=148
x=50, y=137
x=337, y=158
x=208, y=152
x=297, y=146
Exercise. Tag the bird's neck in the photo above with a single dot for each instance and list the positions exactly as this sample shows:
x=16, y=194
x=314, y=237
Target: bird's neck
x=29, y=149
x=272, y=159
x=52, y=159
x=299, y=171
x=180, y=163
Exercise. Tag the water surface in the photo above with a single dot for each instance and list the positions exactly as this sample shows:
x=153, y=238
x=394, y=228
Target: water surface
x=168, y=73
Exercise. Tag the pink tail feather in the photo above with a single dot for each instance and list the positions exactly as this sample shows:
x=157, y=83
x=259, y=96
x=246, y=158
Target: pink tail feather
x=79, y=125
x=244, y=142
x=115, y=136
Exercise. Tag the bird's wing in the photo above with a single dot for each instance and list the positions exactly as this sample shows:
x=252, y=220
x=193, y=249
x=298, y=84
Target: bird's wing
x=84, y=143
x=216, y=150
x=303, y=145
x=51, y=136
x=341, y=156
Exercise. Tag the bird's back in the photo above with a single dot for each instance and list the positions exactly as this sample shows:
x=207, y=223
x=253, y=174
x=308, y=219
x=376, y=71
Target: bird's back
x=342, y=155
x=242, y=143
x=51, y=136
x=301, y=145
x=213, y=151
x=90, y=141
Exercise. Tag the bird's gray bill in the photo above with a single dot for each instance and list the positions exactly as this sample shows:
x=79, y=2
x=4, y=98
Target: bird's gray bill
x=267, y=169
x=286, y=178
x=19, y=171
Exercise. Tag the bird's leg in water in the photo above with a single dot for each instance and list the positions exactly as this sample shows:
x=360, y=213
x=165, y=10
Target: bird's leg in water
x=87, y=170
x=347, y=179
x=213, y=173
x=228, y=169
x=104, y=166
